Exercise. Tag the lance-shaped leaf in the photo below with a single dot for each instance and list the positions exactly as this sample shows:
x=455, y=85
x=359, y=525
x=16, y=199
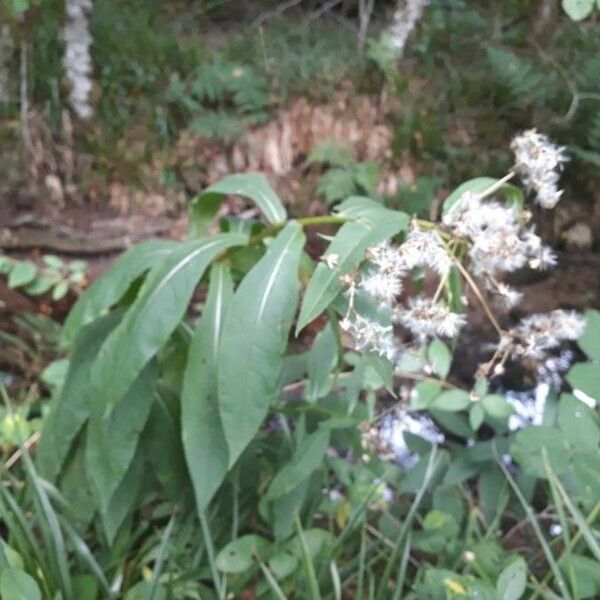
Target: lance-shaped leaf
x=307, y=458
x=152, y=318
x=72, y=409
x=348, y=247
x=108, y=289
x=204, y=442
x=112, y=439
x=479, y=185
x=253, y=186
x=254, y=338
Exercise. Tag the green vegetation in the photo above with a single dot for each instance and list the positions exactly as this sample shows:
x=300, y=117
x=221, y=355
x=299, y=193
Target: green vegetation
x=348, y=403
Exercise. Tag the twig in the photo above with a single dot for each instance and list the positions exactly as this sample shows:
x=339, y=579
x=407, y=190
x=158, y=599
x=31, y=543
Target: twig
x=15, y=456
x=275, y=13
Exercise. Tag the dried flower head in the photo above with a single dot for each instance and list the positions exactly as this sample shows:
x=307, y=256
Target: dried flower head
x=370, y=335
x=426, y=318
x=539, y=162
x=425, y=249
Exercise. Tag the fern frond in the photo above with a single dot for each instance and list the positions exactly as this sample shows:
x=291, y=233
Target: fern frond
x=517, y=74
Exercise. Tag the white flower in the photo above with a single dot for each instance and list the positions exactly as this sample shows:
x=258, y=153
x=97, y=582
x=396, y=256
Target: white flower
x=370, y=335
x=539, y=162
x=425, y=249
x=426, y=318
x=382, y=287
x=331, y=260
x=536, y=334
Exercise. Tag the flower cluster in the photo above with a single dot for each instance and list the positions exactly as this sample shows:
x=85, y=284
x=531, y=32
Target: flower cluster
x=536, y=334
x=539, y=162
x=427, y=318
x=370, y=335
x=77, y=60
x=498, y=241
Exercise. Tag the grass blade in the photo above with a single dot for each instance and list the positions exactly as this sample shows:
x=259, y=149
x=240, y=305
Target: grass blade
x=403, y=565
x=538, y=532
x=382, y=591
x=309, y=568
x=272, y=581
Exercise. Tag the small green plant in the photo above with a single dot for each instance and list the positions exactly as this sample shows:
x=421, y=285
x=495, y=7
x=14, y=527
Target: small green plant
x=56, y=277
x=221, y=98
x=344, y=176
x=212, y=459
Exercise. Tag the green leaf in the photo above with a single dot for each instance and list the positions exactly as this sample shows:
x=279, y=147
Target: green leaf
x=578, y=422
x=239, y=556
x=124, y=500
x=253, y=186
x=54, y=262
x=589, y=342
x=497, y=406
x=440, y=358
x=306, y=459
x=478, y=185
x=21, y=274
x=585, y=377
x=320, y=361
x=380, y=372
x=330, y=152
x=254, y=338
x=201, y=428
x=158, y=309
x=451, y=401
x=512, y=581
x=283, y=564
x=145, y=590
x=423, y=394
x=71, y=409
x=578, y=9
x=40, y=285
x=60, y=290
x=18, y=585
x=527, y=450
x=108, y=289
x=112, y=438
x=476, y=416
x=349, y=245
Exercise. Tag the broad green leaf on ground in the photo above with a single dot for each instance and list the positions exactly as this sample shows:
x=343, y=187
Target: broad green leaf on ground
x=479, y=185
x=579, y=423
x=451, y=401
x=108, y=289
x=527, y=450
x=589, y=342
x=158, y=309
x=320, y=361
x=18, y=585
x=348, y=247
x=254, y=338
x=112, y=439
x=146, y=590
x=586, y=378
x=201, y=428
x=439, y=357
x=253, y=186
x=512, y=581
x=71, y=409
x=240, y=555
x=307, y=457
x=22, y=273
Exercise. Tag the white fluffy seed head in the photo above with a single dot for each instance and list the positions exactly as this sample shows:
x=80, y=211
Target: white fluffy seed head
x=425, y=318
x=539, y=162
